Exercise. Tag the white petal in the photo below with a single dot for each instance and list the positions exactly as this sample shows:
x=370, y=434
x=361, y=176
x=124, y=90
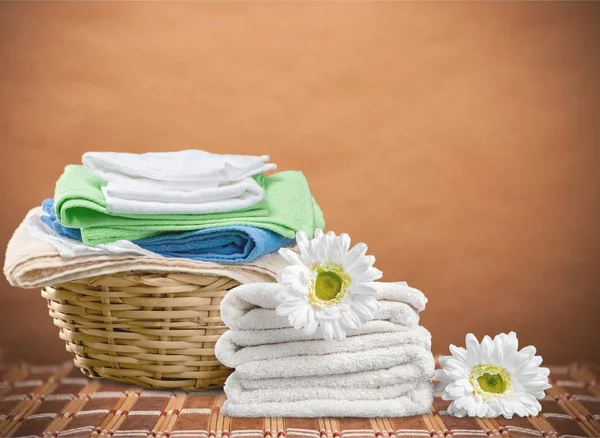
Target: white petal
x=365, y=288
x=486, y=350
x=371, y=274
x=453, y=410
x=465, y=402
x=299, y=318
x=289, y=307
x=350, y=320
x=303, y=242
x=361, y=266
x=295, y=277
x=511, y=343
x=311, y=325
x=354, y=255
x=494, y=408
x=368, y=301
x=482, y=410
x=327, y=330
x=472, y=349
x=497, y=356
x=362, y=311
x=290, y=256
x=322, y=250
x=529, y=351
x=331, y=312
x=340, y=248
x=544, y=371
x=457, y=389
x=312, y=252
x=285, y=294
x=339, y=334
x=459, y=353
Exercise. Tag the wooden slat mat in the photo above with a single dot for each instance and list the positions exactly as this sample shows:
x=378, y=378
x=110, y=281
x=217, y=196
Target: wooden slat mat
x=59, y=401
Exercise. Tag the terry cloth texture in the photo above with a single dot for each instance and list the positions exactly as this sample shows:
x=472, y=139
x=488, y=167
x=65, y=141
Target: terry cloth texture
x=383, y=366
x=273, y=359
x=412, y=402
x=49, y=218
x=32, y=263
x=79, y=203
x=230, y=244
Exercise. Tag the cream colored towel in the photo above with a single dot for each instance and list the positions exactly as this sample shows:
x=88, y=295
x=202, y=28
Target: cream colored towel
x=31, y=263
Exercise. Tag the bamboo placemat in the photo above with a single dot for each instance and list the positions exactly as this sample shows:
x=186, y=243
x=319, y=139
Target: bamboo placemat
x=58, y=401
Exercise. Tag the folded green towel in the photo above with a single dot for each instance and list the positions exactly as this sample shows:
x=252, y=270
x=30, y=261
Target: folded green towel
x=288, y=207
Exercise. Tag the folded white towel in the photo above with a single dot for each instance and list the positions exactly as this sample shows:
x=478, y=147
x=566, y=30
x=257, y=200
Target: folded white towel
x=382, y=369
x=184, y=182
x=173, y=168
x=245, y=188
x=313, y=350
x=415, y=402
x=290, y=361
x=251, y=195
x=251, y=306
x=249, y=338
x=237, y=393
x=417, y=363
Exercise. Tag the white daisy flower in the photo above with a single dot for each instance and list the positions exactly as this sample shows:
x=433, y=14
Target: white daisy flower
x=328, y=286
x=492, y=378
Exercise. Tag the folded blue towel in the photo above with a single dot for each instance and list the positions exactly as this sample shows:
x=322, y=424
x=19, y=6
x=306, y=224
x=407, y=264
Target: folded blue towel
x=52, y=222
x=228, y=244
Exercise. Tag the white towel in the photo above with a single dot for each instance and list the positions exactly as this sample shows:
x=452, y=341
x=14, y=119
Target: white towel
x=129, y=199
x=382, y=369
x=237, y=393
x=261, y=361
x=416, y=402
x=251, y=306
x=336, y=363
x=184, y=182
x=175, y=169
x=223, y=191
x=249, y=338
x=368, y=375
x=416, y=363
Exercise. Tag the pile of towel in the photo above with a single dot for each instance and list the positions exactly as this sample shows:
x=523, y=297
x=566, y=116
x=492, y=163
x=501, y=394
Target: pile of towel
x=193, y=209
x=383, y=369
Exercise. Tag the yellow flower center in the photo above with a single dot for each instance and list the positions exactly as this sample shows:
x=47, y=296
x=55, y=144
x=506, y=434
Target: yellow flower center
x=330, y=285
x=490, y=381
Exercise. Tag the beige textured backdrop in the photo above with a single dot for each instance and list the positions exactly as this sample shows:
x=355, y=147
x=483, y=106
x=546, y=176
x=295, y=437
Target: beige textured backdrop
x=460, y=141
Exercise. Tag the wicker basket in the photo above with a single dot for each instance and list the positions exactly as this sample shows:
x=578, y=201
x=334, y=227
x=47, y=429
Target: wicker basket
x=153, y=330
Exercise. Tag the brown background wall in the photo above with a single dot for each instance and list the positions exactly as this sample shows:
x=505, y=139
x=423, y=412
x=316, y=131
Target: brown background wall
x=461, y=141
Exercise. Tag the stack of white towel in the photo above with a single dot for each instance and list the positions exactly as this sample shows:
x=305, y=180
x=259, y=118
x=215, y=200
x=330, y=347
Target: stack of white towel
x=382, y=370
x=187, y=182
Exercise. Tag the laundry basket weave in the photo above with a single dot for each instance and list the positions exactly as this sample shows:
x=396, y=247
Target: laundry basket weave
x=153, y=330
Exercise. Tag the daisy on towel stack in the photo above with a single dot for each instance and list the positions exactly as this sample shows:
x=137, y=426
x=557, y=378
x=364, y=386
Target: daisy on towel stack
x=383, y=367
